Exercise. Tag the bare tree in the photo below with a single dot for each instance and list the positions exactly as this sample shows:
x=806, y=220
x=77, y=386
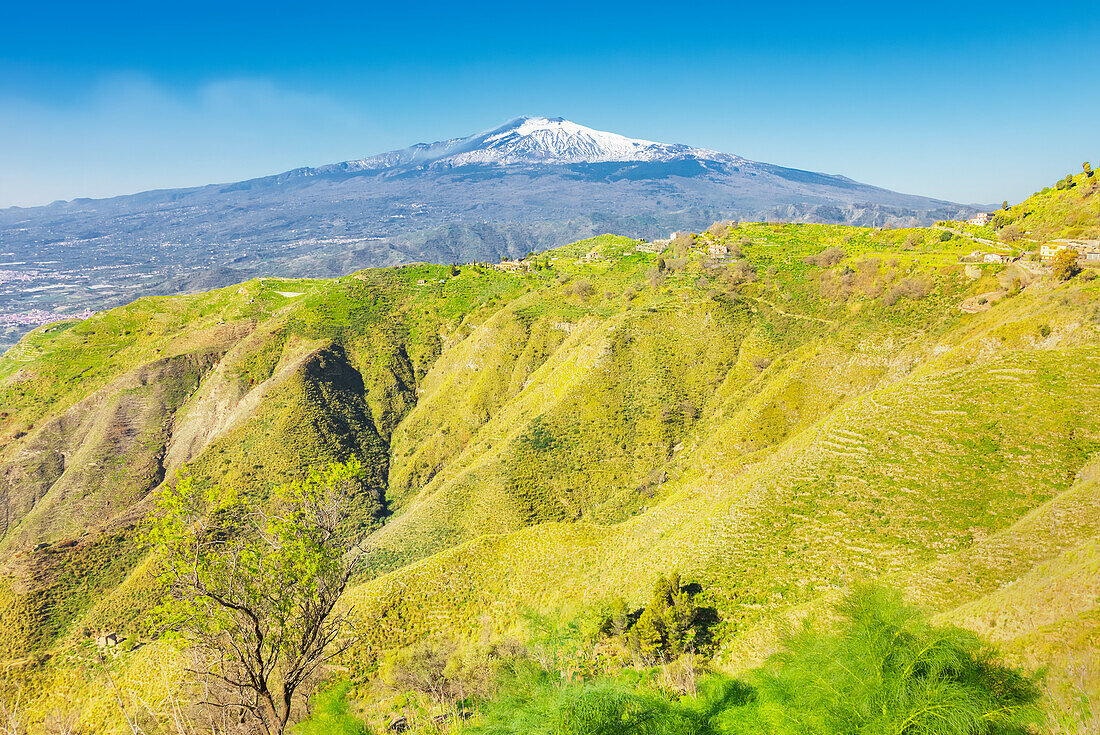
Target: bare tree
x=255, y=586
x=826, y=258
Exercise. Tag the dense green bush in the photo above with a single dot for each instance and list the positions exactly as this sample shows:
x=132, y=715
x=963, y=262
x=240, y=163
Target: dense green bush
x=1065, y=265
x=671, y=624
x=536, y=703
x=885, y=669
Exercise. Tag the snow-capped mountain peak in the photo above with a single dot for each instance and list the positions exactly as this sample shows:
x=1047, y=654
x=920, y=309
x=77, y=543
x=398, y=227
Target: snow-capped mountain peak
x=536, y=141
x=554, y=140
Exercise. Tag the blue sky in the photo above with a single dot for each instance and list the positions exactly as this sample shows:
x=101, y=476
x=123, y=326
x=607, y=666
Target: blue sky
x=975, y=102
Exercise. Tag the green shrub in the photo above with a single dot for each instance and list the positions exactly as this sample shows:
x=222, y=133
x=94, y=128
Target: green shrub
x=330, y=716
x=887, y=670
x=671, y=624
x=537, y=703
x=1065, y=265
x=883, y=669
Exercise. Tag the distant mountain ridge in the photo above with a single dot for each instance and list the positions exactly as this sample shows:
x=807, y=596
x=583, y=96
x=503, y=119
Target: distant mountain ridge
x=530, y=184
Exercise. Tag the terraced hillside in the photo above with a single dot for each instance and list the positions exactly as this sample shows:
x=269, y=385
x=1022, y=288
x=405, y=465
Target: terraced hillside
x=777, y=411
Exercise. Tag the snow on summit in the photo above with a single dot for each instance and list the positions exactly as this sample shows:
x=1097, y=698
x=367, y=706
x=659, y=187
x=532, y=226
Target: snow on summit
x=536, y=140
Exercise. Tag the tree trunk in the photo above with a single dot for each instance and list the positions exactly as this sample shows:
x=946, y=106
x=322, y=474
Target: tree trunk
x=272, y=722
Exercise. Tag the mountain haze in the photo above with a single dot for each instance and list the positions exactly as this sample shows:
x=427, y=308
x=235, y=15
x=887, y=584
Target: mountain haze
x=530, y=184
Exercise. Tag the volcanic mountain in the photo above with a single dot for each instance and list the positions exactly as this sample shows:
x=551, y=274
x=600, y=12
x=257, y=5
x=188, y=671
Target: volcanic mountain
x=534, y=140
x=527, y=185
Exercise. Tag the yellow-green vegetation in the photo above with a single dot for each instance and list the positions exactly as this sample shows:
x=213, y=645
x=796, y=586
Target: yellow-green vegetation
x=876, y=667
x=884, y=670
x=779, y=412
x=1069, y=209
x=253, y=583
x=330, y=715
x=1064, y=265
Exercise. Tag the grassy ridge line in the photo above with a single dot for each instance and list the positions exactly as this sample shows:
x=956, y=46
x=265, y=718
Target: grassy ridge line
x=472, y=381
x=218, y=406
x=930, y=533
x=551, y=402
x=1068, y=519
x=110, y=441
x=56, y=365
x=1041, y=598
x=1048, y=619
x=74, y=359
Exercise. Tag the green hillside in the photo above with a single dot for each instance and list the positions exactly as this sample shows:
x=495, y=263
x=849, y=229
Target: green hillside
x=781, y=413
x=1069, y=209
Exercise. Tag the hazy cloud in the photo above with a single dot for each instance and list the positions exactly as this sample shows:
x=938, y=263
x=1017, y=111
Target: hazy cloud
x=129, y=133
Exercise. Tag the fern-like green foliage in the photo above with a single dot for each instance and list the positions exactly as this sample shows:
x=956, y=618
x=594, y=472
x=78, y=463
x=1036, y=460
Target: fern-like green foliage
x=888, y=671
x=536, y=703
